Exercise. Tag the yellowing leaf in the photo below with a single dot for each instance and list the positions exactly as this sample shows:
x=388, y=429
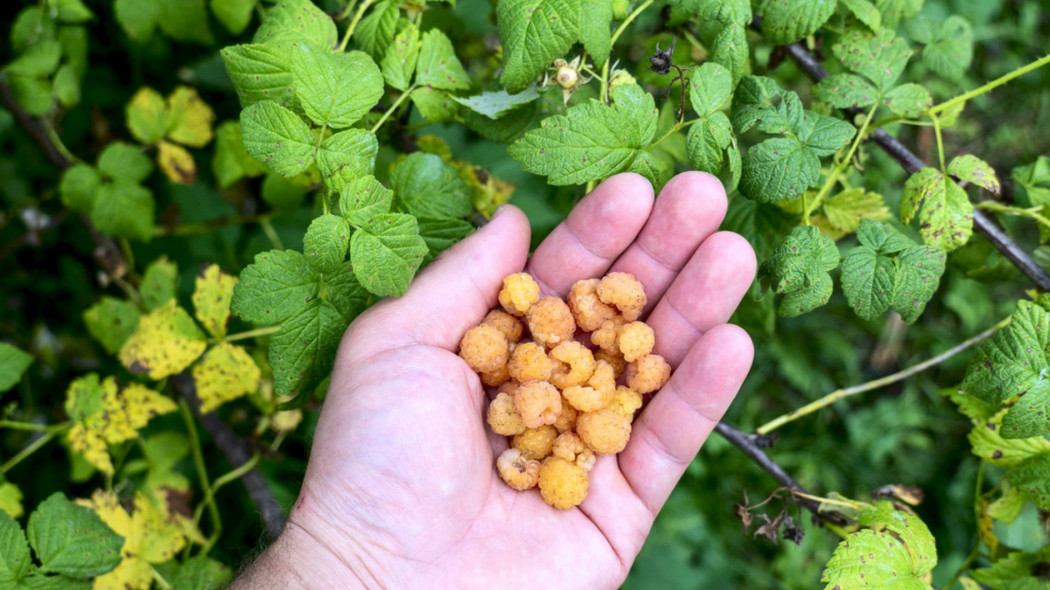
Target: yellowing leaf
x=191, y=118
x=287, y=420
x=149, y=538
x=211, y=299
x=225, y=373
x=176, y=163
x=147, y=115
x=91, y=446
x=132, y=409
x=11, y=499
x=166, y=342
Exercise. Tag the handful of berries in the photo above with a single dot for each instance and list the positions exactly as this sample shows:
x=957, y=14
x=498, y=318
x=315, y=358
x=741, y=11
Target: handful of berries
x=562, y=401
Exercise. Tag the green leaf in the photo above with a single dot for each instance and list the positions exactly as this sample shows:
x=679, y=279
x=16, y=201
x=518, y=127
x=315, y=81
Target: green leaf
x=798, y=269
x=1001, y=452
x=866, y=12
x=386, y=253
x=896, y=551
x=159, y=283
x=638, y=105
x=778, y=169
x=424, y=185
x=231, y=161
x=72, y=11
x=277, y=137
x=124, y=209
x=434, y=105
x=13, y=362
x=297, y=21
x=320, y=77
x=137, y=18
x=78, y=187
x=233, y=14
x=72, y=540
x=346, y=156
x=375, y=32
x=868, y=281
x=38, y=60
x=261, y=72
x=345, y=292
x=303, y=351
x=787, y=21
x=1015, y=571
x=731, y=51
x=824, y=135
x=1014, y=360
x=894, y=11
x=919, y=270
x=846, y=91
x=764, y=226
x=707, y=141
x=951, y=51
x=908, y=100
x=326, y=241
x=38, y=581
x=112, y=321
x=1030, y=416
x=15, y=562
x=34, y=95
x=438, y=66
x=1032, y=478
x=709, y=87
x=66, y=86
x=399, y=61
x=441, y=234
x=970, y=168
x=946, y=218
x=533, y=33
x=124, y=161
x=147, y=115
x=879, y=57
x=274, y=288
x=595, y=29
x=845, y=210
x=201, y=573
x=497, y=104
x=364, y=198
x=185, y=20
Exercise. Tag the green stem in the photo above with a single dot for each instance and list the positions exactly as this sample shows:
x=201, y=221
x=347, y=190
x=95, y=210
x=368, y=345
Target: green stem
x=838, y=394
x=940, y=141
x=271, y=234
x=160, y=579
x=990, y=86
x=1031, y=213
x=252, y=333
x=202, y=469
x=393, y=107
x=15, y=425
x=125, y=250
x=28, y=450
x=57, y=142
x=353, y=24
x=346, y=11
x=839, y=168
x=612, y=42
x=674, y=129
x=209, y=496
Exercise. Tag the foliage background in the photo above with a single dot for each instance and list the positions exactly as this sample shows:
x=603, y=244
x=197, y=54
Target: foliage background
x=907, y=433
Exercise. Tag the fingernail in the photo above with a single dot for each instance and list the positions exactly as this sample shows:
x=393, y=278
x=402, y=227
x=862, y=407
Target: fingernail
x=498, y=210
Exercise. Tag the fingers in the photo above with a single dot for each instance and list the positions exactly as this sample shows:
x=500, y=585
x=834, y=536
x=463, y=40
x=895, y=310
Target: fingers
x=597, y=231
x=454, y=292
x=690, y=208
x=704, y=294
x=669, y=432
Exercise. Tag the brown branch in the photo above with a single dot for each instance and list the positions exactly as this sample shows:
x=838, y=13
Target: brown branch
x=237, y=453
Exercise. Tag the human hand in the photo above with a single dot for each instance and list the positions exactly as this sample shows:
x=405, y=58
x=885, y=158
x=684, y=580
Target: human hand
x=401, y=490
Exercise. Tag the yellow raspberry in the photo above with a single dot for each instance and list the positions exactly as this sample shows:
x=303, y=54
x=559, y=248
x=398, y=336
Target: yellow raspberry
x=615, y=359
x=606, y=336
x=626, y=402
x=574, y=364
x=484, y=348
x=604, y=378
x=529, y=362
x=587, y=399
x=502, y=416
x=519, y=292
x=535, y=443
x=562, y=484
x=550, y=321
x=586, y=308
x=605, y=431
x=496, y=378
x=519, y=472
x=623, y=291
x=636, y=340
x=648, y=373
x=566, y=421
x=538, y=403
x=508, y=324
x=569, y=446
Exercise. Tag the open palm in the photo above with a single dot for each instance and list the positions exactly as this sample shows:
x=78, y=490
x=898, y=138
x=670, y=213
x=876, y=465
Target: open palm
x=401, y=490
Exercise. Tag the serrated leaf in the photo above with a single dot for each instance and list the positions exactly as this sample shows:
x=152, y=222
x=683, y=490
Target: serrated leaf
x=919, y=272
x=1030, y=416
x=970, y=168
x=274, y=288
x=730, y=49
x=533, y=33
x=846, y=209
x=778, y=169
x=496, y=104
x=951, y=51
x=880, y=57
x=438, y=66
x=868, y=281
x=72, y=540
x=190, y=118
x=201, y=573
x=176, y=163
x=824, y=135
x=787, y=21
x=166, y=342
x=124, y=209
x=233, y=14
x=13, y=363
x=595, y=29
x=277, y=137
x=226, y=372
x=896, y=551
x=638, y=105
x=345, y=292
x=946, y=218
x=326, y=241
x=79, y=186
x=347, y=156
x=147, y=115
x=364, y=198
x=709, y=87
x=260, y=72
x=125, y=162
x=231, y=161
x=846, y=91
x=386, y=253
x=908, y=100
x=424, y=185
x=1032, y=479
x=509, y=126
x=112, y=321
x=213, y=290
x=436, y=106
x=1008, y=507
x=1014, y=571
x=987, y=444
x=707, y=141
x=159, y=283
x=297, y=21
x=399, y=61
x=303, y=351
x=376, y=31
x=866, y=12
x=894, y=11
x=15, y=562
x=319, y=78
x=441, y=234
x=798, y=269
x=1013, y=361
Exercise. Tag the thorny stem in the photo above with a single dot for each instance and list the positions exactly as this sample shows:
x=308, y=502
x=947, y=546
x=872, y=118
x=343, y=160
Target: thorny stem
x=837, y=171
x=990, y=85
x=202, y=470
x=393, y=108
x=603, y=94
x=838, y=394
x=353, y=24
